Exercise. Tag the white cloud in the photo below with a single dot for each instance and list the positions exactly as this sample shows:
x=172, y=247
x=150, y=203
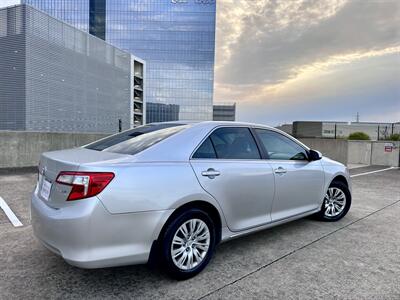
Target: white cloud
x=270, y=51
x=369, y=86
x=275, y=41
x=242, y=21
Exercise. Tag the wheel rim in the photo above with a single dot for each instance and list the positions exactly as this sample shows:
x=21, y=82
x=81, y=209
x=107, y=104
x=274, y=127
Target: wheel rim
x=190, y=244
x=334, y=202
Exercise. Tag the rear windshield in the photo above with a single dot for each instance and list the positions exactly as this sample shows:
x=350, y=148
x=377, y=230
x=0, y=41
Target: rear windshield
x=136, y=140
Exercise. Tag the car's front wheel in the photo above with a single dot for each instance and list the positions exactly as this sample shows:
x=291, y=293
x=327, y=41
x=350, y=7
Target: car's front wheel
x=188, y=243
x=336, y=204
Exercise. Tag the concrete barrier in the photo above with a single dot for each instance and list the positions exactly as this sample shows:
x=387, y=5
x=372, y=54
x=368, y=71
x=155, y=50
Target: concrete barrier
x=23, y=148
x=359, y=152
x=380, y=153
x=385, y=153
x=334, y=149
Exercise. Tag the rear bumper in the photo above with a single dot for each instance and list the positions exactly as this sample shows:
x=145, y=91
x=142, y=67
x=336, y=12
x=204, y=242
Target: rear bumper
x=86, y=235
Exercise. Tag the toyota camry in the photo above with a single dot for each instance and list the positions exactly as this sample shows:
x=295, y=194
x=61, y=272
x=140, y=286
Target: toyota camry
x=174, y=191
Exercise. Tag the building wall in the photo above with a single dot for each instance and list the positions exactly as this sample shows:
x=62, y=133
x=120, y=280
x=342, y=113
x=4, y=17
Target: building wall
x=176, y=38
x=288, y=128
x=168, y=112
x=12, y=69
x=97, y=18
x=224, y=112
x=307, y=129
x=65, y=79
x=85, y=86
x=345, y=129
x=138, y=94
x=74, y=12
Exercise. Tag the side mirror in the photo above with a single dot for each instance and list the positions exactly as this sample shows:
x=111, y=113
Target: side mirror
x=314, y=155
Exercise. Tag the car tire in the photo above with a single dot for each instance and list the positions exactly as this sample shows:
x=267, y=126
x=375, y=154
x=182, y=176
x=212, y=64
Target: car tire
x=336, y=204
x=196, y=246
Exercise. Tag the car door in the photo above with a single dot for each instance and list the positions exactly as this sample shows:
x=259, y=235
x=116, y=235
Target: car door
x=299, y=182
x=228, y=166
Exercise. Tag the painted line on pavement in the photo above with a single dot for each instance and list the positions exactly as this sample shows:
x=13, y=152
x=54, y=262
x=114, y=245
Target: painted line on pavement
x=372, y=172
x=10, y=214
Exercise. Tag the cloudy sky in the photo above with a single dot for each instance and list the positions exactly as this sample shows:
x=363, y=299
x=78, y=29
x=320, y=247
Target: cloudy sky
x=309, y=60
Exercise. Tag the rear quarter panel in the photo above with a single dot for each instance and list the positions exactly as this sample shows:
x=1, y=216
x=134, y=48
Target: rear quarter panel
x=152, y=186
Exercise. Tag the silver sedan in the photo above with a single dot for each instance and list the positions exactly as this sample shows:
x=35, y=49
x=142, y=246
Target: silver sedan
x=173, y=191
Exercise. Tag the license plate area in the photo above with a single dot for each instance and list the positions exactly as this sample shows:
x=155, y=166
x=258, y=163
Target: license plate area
x=45, y=189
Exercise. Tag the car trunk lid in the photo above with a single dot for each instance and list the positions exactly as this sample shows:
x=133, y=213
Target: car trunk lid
x=52, y=163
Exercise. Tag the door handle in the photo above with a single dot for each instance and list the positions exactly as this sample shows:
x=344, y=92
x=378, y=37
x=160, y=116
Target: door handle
x=210, y=173
x=280, y=170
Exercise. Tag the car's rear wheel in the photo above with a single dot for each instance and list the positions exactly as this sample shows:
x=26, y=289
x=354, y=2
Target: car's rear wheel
x=336, y=204
x=188, y=243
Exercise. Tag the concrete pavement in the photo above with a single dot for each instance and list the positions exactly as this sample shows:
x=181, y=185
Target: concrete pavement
x=355, y=258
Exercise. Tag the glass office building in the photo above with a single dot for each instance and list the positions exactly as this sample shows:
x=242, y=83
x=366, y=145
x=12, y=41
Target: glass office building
x=175, y=37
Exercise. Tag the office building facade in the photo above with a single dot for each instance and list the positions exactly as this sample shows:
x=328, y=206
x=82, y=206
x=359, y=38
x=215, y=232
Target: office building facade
x=57, y=78
x=224, y=111
x=170, y=112
x=176, y=38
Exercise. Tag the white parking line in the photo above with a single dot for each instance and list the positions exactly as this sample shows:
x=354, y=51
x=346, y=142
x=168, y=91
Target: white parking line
x=371, y=172
x=10, y=214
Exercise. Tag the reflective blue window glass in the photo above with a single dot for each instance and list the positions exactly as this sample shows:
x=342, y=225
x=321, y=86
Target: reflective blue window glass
x=177, y=40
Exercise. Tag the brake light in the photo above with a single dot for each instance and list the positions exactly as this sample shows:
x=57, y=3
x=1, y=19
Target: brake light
x=84, y=184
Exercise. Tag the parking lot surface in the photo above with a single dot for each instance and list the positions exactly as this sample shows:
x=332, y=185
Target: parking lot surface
x=355, y=258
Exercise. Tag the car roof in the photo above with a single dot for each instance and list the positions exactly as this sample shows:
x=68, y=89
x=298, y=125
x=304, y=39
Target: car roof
x=213, y=123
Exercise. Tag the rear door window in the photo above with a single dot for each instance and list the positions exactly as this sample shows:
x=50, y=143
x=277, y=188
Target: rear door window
x=229, y=143
x=206, y=150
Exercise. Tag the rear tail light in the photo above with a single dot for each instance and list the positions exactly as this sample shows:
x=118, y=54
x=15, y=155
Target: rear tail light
x=84, y=184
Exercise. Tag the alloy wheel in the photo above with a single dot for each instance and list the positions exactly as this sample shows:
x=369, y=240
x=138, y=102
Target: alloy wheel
x=334, y=202
x=190, y=244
